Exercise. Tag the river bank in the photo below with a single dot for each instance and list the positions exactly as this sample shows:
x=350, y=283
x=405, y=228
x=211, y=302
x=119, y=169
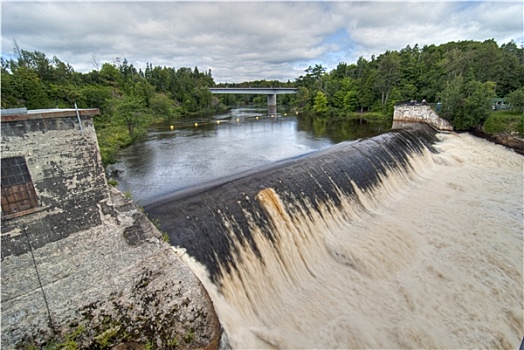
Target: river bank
x=511, y=140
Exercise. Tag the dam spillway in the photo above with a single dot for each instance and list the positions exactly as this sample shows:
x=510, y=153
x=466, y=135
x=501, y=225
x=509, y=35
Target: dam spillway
x=411, y=239
x=211, y=220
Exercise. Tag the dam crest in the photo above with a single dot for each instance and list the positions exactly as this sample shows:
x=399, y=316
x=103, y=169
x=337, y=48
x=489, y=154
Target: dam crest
x=214, y=223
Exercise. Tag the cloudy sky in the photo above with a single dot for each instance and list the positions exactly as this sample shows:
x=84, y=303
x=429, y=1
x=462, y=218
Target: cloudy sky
x=247, y=40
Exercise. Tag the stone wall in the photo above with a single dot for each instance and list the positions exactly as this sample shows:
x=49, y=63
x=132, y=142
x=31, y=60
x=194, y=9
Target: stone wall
x=86, y=267
x=420, y=113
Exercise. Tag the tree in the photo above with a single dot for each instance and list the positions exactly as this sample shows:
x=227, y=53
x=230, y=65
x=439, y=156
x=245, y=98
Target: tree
x=109, y=74
x=388, y=75
x=467, y=104
x=516, y=100
x=321, y=103
x=29, y=90
x=366, y=95
x=451, y=98
x=302, y=98
x=343, y=91
x=164, y=107
x=64, y=95
x=477, y=104
x=130, y=111
x=350, y=100
x=95, y=96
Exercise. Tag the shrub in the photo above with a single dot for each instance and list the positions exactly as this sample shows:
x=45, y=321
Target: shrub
x=504, y=121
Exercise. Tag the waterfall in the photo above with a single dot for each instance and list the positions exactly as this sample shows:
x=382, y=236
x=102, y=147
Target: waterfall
x=213, y=221
x=321, y=251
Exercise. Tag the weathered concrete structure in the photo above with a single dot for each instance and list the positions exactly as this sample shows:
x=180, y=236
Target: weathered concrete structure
x=80, y=262
x=420, y=113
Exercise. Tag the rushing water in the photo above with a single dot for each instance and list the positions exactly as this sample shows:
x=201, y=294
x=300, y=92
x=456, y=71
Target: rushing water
x=433, y=259
x=179, y=155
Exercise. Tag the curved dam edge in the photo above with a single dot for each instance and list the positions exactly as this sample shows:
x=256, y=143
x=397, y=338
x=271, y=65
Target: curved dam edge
x=207, y=220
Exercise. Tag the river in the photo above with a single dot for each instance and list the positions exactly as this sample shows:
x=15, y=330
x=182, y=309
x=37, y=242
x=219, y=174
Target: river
x=179, y=154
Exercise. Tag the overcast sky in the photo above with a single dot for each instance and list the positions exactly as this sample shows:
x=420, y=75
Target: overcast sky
x=241, y=41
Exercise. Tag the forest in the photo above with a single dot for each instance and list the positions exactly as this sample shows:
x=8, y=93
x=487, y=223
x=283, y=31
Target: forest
x=464, y=76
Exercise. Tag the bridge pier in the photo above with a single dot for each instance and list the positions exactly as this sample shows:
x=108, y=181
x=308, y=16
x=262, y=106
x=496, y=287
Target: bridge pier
x=272, y=104
x=270, y=92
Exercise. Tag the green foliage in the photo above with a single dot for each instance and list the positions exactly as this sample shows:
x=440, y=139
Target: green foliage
x=516, y=100
x=477, y=104
x=164, y=107
x=188, y=338
x=173, y=343
x=130, y=111
x=504, y=121
x=70, y=342
x=373, y=116
x=451, y=98
x=467, y=103
x=111, y=138
x=95, y=96
x=459, y=74
x=321, y=103
x=104, y=339
x=388, y=75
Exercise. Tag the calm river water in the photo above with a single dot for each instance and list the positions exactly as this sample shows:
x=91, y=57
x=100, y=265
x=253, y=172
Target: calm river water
x=180, y=155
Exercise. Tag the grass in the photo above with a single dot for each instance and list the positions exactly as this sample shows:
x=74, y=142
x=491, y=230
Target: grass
x=504, y=121
x=111, y=138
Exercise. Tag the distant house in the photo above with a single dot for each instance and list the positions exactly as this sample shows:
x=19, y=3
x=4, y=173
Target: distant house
x=499, y=104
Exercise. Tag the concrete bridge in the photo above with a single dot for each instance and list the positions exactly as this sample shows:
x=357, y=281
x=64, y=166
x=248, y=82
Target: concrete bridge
x=270, y=92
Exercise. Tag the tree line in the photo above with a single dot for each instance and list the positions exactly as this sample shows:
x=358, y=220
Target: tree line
x=463, y=76
x=35, y=81
x=129, y=99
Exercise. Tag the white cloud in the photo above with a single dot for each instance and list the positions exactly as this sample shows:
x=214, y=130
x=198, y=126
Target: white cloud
x=247, y=40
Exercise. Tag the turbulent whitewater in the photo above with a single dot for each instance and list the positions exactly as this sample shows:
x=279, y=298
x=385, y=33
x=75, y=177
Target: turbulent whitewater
x=408, y=240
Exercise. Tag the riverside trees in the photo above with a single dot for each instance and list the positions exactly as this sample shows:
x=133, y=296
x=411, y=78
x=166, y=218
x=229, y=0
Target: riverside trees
x=462, y=75
x=127, y=98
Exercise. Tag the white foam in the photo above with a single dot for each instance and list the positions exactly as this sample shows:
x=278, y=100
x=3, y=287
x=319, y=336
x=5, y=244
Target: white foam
x=432, y=260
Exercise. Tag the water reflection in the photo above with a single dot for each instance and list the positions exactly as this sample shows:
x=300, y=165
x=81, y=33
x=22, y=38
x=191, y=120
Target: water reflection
x=338, y=130
x=175, y=155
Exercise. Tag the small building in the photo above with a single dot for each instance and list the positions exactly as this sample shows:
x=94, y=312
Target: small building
x=499, y=104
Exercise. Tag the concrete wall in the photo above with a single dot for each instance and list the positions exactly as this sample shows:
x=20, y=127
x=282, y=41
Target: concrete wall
x=420, y=113
x=65, y=166
x=86, y=264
